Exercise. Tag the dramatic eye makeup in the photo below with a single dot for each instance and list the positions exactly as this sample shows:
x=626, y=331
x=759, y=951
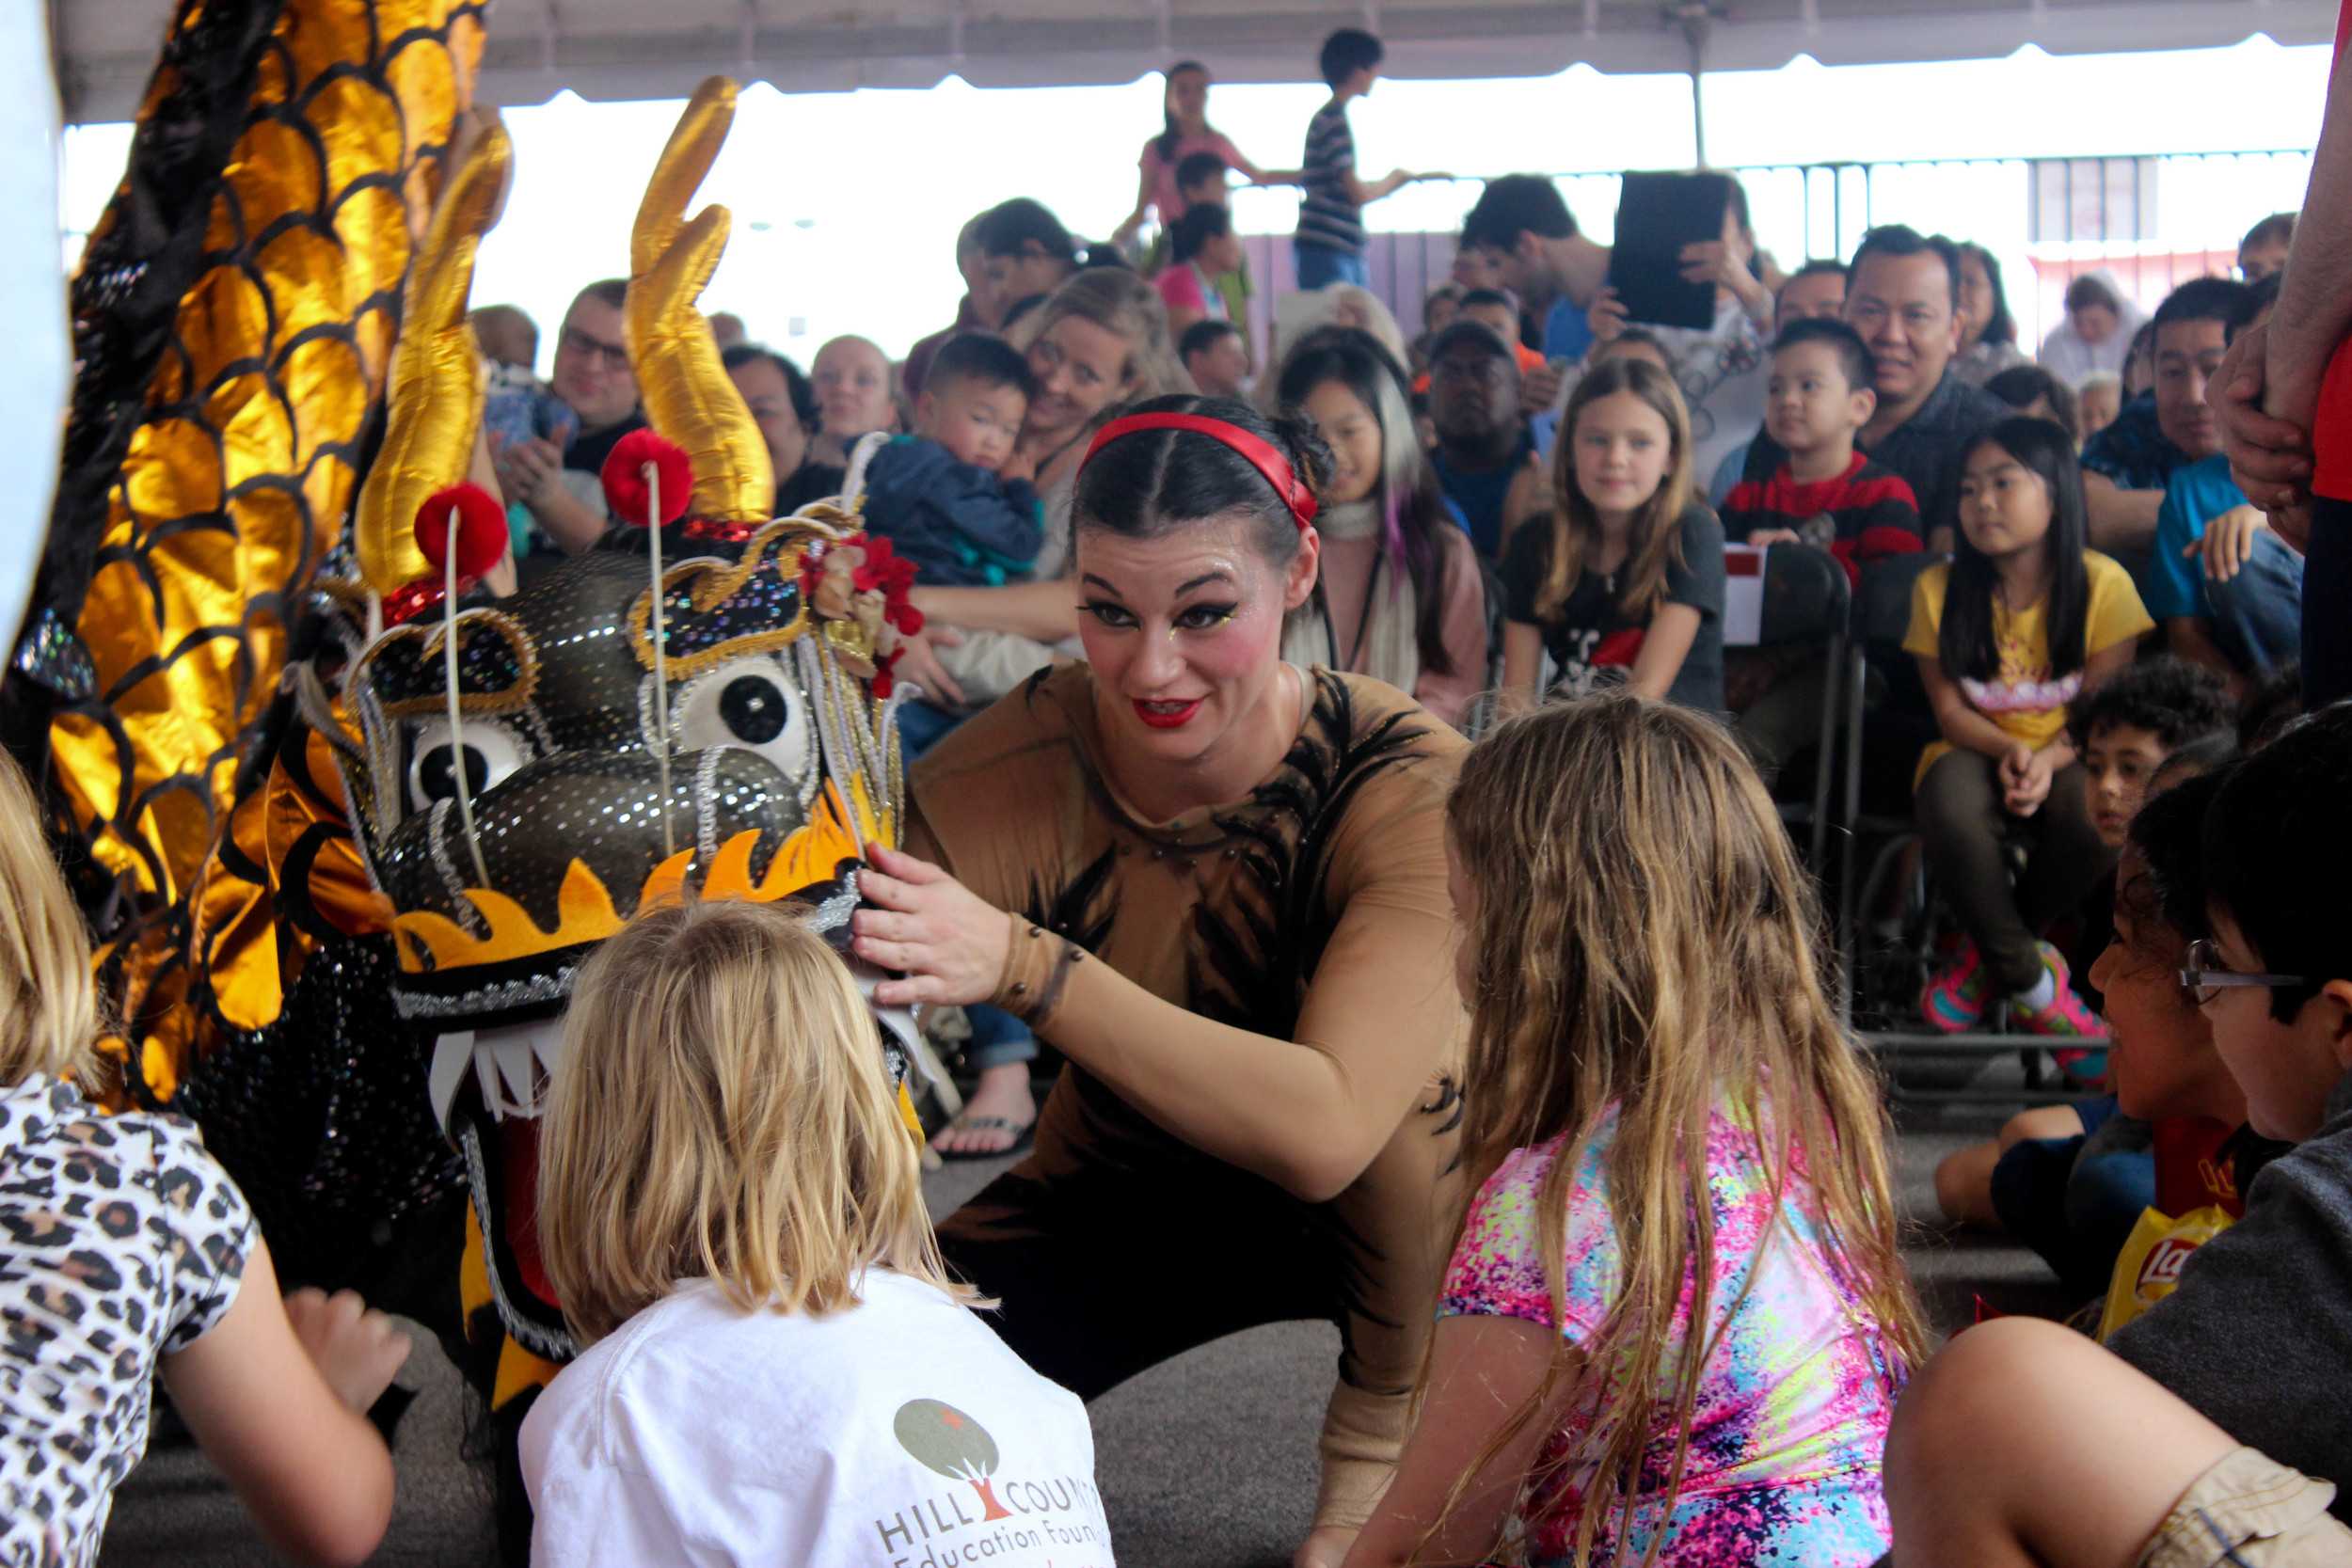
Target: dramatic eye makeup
x=1201, y=616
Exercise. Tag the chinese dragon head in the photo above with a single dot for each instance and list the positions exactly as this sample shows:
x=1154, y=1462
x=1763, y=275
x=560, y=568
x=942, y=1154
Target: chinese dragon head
x=698, y=708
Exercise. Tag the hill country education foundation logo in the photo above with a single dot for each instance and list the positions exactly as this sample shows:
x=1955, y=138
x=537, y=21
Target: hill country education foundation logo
x=942, y=1438
x=1036, y=1520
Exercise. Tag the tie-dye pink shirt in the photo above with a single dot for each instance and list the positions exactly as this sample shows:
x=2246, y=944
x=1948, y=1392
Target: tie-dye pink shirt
x=1793, y=1400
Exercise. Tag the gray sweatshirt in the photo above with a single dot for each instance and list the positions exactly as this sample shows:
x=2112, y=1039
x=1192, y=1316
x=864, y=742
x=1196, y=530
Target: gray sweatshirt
x=2258, y=1336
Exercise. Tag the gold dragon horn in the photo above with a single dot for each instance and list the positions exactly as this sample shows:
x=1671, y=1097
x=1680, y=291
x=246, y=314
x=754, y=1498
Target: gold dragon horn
x=434, y=401
x=688, y=394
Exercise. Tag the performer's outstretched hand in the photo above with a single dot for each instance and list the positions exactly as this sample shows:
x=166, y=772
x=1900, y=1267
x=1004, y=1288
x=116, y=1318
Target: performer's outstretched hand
x=949, y=942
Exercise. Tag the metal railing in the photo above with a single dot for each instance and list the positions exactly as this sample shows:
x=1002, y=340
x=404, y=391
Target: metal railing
x=2153, y=220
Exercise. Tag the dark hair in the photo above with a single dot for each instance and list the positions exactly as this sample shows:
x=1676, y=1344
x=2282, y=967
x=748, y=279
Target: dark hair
x=1021, y=308
x=796, y=386
x=1170, y=137
x=2259, y=297
x=2270, y=707
x=1632, y=337
x=1486, y=296
x=1347, y=52
x=1898, y=238
x=1203, y=221
x=2278, y=229
x=1965, y=645
x=2168, y=830
x=610, y=292
x=2171, y=698
x=2203, y=299
x=1008, y=228
x=2279, y=854
x=1148, y=485
x=1854, y=355
x=1203, y=336
x=984, y=357
x=2023, y=385
x=1517, y=204
x=2002, y=328
x=1443, y=290
x=1412, y=504
x=1818, y=267
x=2089, y=289
x=2143, y=346
x=1196, y=167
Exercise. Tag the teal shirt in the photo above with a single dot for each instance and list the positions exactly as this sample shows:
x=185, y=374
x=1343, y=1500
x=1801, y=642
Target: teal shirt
x=2193, y=497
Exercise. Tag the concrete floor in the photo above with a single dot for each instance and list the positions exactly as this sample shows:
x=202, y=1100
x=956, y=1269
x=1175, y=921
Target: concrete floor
x=1206, y=1461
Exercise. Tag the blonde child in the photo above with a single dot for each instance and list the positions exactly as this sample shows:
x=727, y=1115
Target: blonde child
x=776, y=1368
x=2023, y=620
x=129, y=1251
x=1675, y=1321
x=1624, y=581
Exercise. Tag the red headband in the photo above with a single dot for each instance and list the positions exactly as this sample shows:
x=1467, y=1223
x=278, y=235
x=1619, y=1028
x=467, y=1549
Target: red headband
x=1260, y=454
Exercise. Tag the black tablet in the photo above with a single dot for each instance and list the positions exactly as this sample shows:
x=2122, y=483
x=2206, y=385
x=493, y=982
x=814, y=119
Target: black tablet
x=1658, y=215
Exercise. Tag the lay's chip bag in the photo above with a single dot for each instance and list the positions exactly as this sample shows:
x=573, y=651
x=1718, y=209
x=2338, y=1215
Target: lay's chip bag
x=2150, y=1262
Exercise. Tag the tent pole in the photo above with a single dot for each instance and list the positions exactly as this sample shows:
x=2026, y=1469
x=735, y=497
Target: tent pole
x=1696, y=24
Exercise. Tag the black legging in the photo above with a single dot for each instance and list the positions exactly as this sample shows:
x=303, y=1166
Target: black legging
x=2328, y=604
x=1102, y=1277
x=1964, y=823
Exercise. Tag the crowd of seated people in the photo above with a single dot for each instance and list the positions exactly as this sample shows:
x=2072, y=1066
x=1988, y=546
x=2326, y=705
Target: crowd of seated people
x=1574, y=970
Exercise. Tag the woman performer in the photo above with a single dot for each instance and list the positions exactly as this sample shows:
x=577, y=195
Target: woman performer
x=1216, y=882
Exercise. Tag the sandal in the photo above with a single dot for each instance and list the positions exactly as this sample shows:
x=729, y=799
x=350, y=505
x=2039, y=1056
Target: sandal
x=1026, y=1134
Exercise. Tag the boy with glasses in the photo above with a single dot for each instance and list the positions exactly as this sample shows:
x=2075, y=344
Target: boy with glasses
x=2218, y=1432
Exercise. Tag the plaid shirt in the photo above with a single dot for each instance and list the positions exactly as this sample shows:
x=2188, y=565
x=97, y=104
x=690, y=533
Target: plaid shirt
x=2133, y=451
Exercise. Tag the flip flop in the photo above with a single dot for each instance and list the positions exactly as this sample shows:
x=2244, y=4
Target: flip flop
x=1027, y=1134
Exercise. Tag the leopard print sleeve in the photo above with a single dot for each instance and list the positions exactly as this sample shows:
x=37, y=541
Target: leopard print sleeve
x=202, y=1226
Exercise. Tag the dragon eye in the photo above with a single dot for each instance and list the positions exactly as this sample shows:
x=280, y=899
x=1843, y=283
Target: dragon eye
x=490, y=753
x=749, y=704
x=754, y=708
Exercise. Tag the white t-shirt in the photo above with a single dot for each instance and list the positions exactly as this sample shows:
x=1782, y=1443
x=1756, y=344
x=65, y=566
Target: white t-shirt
x=902, y=1434
x=1722, y=373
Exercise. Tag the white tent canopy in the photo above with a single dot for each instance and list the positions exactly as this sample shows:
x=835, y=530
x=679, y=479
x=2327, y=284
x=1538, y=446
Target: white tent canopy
x=634, y=49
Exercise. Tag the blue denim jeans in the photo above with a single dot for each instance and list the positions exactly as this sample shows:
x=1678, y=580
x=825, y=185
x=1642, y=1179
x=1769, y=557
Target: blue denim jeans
x=1320, y=267
x=2258, y=614
x=998, y=1039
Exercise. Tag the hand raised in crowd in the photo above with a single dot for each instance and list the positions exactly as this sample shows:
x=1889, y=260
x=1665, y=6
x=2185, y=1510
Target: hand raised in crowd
x=919, y=664
x=1541, y=387
x=1608, y=317
x=948, y=941
x=355, y=1348
x=1713, y=261
x=2228, y=542
x=2270, y=456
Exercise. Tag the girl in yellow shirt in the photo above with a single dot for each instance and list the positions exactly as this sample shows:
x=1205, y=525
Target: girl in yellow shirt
x=2020, y=621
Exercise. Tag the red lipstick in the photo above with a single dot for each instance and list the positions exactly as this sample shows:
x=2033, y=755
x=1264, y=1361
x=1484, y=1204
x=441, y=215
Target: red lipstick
x=1166, y=716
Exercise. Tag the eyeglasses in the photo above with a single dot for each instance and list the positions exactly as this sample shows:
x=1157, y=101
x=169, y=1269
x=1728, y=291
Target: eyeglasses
x=2205, y=977
x=574, y=340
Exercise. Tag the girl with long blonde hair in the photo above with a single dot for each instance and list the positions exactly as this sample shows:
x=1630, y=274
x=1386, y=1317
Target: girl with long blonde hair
x=776, y=1363
x=1623, y=582
x=1675, y=1319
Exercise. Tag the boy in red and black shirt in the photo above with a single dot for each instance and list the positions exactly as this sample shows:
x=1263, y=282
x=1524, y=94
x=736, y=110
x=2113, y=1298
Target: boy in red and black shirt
x=1825, y=493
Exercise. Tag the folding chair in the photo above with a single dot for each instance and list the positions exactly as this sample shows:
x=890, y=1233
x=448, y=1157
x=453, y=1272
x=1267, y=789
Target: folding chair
x=1890, y=979
x=1800, y=601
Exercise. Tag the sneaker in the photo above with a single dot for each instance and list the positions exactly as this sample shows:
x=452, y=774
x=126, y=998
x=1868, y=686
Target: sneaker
x=1953, y=1001
x=2068, y=1016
